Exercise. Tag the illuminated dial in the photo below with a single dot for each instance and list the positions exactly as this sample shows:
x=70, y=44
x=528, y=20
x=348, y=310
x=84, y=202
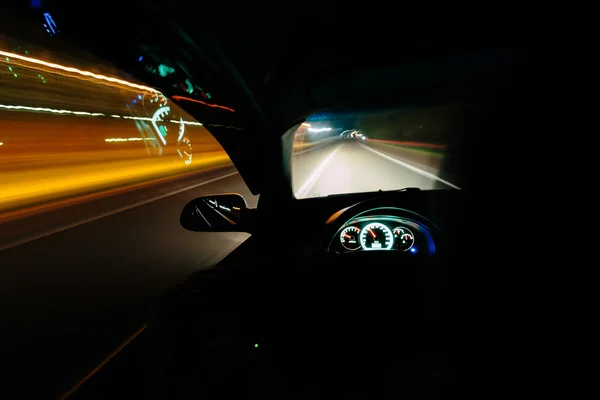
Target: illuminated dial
x=184, y=150
x=376, y=236
x=349, y=238
x=403, y=238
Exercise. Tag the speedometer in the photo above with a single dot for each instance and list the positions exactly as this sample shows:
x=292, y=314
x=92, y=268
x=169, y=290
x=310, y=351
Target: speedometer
x=376, y=236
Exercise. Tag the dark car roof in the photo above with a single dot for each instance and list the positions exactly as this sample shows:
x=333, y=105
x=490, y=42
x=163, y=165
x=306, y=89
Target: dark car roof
x=258, y=60
x=274, y=71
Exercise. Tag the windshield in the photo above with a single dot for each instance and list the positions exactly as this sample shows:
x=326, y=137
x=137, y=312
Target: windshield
x=369, y=150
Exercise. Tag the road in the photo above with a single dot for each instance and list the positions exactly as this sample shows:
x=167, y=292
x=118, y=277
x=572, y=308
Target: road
x=70, y=298
x=350, y=166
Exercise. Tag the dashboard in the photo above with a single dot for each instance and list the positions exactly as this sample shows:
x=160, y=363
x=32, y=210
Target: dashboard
x=372, y=231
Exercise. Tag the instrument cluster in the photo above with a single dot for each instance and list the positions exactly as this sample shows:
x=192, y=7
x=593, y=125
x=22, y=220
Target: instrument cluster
x=383, y=233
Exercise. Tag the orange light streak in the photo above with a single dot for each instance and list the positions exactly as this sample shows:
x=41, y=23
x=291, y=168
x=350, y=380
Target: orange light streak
x=202, y=102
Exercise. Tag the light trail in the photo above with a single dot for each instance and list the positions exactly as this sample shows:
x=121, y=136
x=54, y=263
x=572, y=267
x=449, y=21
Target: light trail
x=203, y=103
x=87, y=114
x=29, y=187
x=77, y=71
x=131, y=139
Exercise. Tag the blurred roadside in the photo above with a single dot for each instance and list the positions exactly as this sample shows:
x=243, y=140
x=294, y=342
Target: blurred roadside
x=69, y=133
x=49, y=159
x=426, y=156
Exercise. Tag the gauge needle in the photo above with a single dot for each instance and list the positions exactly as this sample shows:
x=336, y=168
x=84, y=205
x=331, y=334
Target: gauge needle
x=372, y=233
x=348, y=236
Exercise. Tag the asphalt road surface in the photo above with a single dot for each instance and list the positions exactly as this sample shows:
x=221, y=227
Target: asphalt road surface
x=350, y=166
x=70, y=297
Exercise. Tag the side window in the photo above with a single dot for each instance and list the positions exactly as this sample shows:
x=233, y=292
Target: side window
x=95, y=170
x=75, y=129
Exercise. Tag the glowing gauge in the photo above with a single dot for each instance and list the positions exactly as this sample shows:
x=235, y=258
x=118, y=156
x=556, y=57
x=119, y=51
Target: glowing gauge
x=349, y=238
x=376, y=236
x=184, y=149
x=403, y=238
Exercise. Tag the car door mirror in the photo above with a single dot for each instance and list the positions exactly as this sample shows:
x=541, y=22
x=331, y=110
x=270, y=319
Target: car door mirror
x=216, y=213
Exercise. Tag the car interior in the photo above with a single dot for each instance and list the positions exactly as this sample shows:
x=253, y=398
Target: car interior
x=345, y=295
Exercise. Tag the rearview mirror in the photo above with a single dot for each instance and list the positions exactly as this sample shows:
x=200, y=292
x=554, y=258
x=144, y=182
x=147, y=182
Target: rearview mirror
x=215, y=213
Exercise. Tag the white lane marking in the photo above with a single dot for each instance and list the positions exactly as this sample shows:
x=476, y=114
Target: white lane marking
x=304, y=189
x=116, y=211
x=412, y=168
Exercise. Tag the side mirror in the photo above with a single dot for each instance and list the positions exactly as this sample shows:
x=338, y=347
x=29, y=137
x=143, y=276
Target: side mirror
x=216, y=213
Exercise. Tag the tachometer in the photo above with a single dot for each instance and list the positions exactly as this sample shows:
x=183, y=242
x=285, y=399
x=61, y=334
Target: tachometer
x=403, y=238
x=376, y=236
x=349, y=238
